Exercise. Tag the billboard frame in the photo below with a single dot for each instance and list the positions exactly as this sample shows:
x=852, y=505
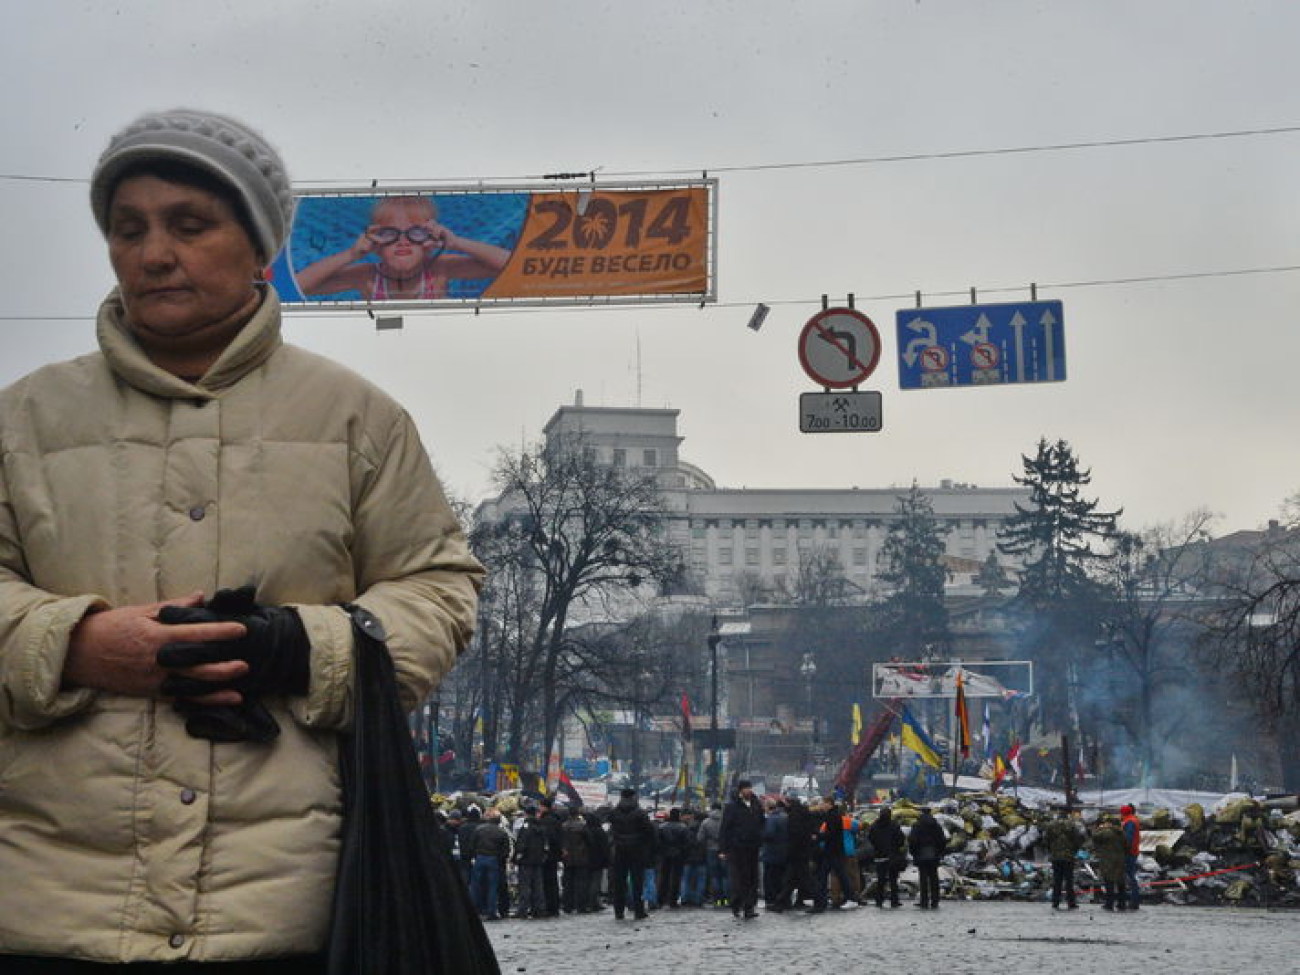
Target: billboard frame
x=936, y=679
x=577, y=187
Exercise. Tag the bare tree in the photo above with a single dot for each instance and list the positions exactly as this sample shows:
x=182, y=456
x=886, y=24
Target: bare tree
x=819, y=579
x=1254, y=636
x=1154, y=583
x=571, y=544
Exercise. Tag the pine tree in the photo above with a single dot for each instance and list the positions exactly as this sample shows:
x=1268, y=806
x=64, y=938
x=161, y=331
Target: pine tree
x=1061, y=539
x=911, y=567
x=1055, y=534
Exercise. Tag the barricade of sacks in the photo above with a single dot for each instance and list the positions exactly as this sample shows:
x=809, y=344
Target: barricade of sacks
x=1242, y=852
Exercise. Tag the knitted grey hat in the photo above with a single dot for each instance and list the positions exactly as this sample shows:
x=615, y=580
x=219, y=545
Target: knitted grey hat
x=218, y=144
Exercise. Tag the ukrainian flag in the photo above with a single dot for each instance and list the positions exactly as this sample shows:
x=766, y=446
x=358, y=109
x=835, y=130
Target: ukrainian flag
x=915, y=738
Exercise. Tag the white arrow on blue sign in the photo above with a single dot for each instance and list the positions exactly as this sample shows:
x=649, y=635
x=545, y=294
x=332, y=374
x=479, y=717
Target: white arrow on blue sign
x=981, y=345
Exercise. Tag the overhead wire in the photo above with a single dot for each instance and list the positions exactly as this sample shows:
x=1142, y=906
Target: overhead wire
x=797, y=164
x=811, y=164
x=468, y=307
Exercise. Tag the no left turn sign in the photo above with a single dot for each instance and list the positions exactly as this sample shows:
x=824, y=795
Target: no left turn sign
x=839, y=347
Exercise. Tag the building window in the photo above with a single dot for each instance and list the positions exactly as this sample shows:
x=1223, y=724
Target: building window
x=650, y=458
x=751, y=556
x=859, y=556
x=620, y=457
x=698, y=532
x=724, y=556
x=778, y=556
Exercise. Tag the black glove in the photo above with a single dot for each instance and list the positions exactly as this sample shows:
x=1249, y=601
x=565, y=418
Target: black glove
x=275, y=647
x=277, y=652
x=249, y=721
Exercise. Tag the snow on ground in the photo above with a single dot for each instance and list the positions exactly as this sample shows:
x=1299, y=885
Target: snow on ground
x=962, y=938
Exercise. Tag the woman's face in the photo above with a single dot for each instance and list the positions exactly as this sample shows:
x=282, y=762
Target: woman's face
x=184, y=263
x=401, y=258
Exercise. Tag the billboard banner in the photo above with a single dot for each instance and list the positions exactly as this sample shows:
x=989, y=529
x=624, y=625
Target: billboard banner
x=1005, y=679
x=421, y=247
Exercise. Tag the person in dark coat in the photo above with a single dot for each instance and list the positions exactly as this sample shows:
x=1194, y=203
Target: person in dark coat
x=801, y=836
x=443, y=837
x=599, y=851
x=531, y=845
x=469, y=823
x=739, y=841
x=927, y=842
x=491, y=851
x=674, y=838
x=632, y=839
x=890, y=846
x=576, y=846
x=774, y=852
x=551, y=819
x=694, y=867
x=833, y=858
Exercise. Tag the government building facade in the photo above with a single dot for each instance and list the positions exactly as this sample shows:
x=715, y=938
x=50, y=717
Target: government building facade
x=740, y=540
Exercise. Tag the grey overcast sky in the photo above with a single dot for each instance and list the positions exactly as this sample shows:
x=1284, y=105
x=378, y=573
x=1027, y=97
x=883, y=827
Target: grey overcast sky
x=1182, y=390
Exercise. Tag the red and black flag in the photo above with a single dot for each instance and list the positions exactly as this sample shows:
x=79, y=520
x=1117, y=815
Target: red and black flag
x=963, y=718
x=565, y=785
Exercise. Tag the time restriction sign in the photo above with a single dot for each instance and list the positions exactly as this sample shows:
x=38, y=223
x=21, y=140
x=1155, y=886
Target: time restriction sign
x=839, y=347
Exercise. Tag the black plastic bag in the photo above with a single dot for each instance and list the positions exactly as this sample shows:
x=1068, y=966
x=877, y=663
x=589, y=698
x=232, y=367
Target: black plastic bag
x=400, y=906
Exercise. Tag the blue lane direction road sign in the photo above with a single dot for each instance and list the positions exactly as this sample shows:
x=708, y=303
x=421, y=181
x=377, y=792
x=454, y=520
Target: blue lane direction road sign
x=981, y=345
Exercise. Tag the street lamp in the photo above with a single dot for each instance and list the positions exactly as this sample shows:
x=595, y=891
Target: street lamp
x=714, y=639
x=808, y=670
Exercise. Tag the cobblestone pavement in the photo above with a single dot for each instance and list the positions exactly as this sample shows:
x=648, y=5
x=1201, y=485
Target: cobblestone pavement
x=972, y=937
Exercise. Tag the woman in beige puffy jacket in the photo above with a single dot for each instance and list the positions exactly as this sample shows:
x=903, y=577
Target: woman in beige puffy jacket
x=168, y=783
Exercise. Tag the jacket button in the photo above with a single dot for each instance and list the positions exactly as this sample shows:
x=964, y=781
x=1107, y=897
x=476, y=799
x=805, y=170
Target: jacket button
x=176, y=940
x=188, y=796
x=197, y=513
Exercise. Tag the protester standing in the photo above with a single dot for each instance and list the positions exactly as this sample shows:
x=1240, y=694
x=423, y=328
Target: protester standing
x=1132, y=830
x=889, y=845
x=551, y=820
x=716, y=867
x=833, y=858
x=531, y=843
x=598, y=850
x=694, y=867
x=801, y=836
x=632, y=842
x=576, y=856
x=491, y=851
x=1064, y=837
x=739, y=841
x=775, y=852
x=673, y=840
x=927, y=842
x=1109, y=849
x=469, y=825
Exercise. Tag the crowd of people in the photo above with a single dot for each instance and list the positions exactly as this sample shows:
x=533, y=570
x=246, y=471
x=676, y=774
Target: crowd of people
x=788, y=854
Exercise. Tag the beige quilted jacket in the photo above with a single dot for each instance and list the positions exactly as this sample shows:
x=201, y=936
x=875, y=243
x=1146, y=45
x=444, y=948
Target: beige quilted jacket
x=122, y=838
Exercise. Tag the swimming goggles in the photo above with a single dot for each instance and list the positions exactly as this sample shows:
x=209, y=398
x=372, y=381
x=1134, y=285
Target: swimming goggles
x=391, y=235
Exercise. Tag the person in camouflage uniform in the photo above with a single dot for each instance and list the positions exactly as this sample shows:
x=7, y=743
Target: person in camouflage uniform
x=1064, y=837
x=1108, y=847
